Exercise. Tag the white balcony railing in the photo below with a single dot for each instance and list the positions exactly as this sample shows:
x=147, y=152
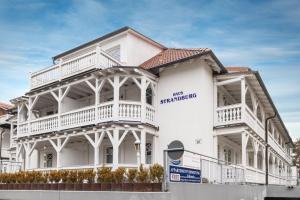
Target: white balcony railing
x=84, y=62
x=129, y=110
x=236, y=114
x=228, y=114
x=104, y=112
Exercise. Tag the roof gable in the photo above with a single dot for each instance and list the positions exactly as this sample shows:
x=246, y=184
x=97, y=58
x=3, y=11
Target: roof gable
x=174, y=55
x=110, y=35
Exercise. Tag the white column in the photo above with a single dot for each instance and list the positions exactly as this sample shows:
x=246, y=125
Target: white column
x=59, y=102
x=116, y=97
x=244, y=149
x=215, y=100
x=215, y=147
x=263, y=160
x=97, y=97
x=155, y=149
x=143, y=99
x=243, y=97
x=58, y=153
x=143, y=146
x=96, y=150
x=115, y=148
x=255, y=158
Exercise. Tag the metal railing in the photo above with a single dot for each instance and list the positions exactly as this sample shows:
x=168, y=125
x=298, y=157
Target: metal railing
x=10, y=166
x=216, y=171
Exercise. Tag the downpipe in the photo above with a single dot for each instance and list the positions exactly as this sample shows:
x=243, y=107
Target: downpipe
x=267, y=147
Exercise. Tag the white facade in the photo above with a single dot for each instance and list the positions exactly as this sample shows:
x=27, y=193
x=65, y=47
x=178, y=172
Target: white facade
x=95, y=106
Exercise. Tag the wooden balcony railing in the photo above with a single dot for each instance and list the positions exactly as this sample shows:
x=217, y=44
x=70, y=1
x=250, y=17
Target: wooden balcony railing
x=236, y=114
x=84, y=62
x=127, y=111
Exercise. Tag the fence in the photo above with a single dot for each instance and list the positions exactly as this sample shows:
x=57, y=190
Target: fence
x=217, y=171
x=10, y=166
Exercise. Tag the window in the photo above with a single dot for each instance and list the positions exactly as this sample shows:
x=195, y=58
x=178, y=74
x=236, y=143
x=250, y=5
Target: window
x=48, y=160
x=228, y=155
x=148, y=153
x=108, y=155
x=114, y=52
x=149, y=96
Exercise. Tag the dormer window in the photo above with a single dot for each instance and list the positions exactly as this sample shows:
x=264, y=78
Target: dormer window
x=115, y=52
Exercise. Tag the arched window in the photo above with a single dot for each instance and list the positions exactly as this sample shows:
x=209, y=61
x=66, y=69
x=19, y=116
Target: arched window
x=259, y=113
x=149, y=95
x=249, y=102
x=250, y=152
x=260, y=158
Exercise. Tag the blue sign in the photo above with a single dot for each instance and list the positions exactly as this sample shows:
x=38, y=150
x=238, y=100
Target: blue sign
x=183, y=174
x=178, y=96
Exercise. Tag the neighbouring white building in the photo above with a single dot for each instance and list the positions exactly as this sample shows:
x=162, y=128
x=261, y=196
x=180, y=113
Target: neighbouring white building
x=120, y=99
x=8, y=133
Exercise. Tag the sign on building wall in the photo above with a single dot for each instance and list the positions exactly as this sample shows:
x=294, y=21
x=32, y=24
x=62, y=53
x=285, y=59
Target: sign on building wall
x=178, y=96
x=183, y=174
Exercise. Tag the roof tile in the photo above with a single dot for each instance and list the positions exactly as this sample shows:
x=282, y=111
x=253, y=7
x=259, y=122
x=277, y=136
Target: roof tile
x=171, y=55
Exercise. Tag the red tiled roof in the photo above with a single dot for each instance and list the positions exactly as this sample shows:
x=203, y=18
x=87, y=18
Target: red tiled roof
x=232, y=69
x=5, y=106
x=172, y=55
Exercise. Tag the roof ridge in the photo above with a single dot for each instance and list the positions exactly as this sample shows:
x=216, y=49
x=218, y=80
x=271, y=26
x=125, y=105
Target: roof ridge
x=189, y=49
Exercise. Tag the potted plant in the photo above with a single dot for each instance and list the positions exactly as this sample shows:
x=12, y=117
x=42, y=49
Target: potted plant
x=131, y=178
x=142, y=178
x=12, y=181
x=71, y=180
x=45, y=181
x=156, y=176
x=1, y=181
x=89, y=177
x=64, y=177
x=80, y=178
x=4, y=181
x=204, y=180
x=33, y=181
x=105, y=178
x=118, y=179
x=38, y=180
x=54, y=177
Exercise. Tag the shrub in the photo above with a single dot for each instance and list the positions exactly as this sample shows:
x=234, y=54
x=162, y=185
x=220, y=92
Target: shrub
x=45, y=177
x=105, y=175
x=156, y=173
x=131, y=175
x=30, y=177
x=118, y=175
x=64, y=175
x=205, y=180
x=54, y=176
x=80, y=176
x=72, y=177
x=20, y=177
x=89, y=175
x=38, y=177
x=142, y=174
x=12, y=178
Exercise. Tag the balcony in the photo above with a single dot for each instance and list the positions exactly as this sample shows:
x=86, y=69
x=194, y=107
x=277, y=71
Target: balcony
x=87, y=61
x=241, y=100
x=237, y=114
x=127, y=111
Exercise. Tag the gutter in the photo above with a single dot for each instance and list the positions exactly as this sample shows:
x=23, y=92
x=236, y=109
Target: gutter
x=257, y=75
x=267, y=147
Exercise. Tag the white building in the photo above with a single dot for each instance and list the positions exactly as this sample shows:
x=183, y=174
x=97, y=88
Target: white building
x=120, y=99
x=8, y=133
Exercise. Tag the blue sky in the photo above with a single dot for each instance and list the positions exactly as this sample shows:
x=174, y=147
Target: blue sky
x=264, y=35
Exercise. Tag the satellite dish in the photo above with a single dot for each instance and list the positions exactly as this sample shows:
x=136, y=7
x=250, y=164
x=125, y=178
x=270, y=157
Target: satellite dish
x=175, y=150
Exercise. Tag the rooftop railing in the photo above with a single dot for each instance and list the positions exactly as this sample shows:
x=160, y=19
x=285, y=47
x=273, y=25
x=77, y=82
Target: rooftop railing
x=90, y=60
